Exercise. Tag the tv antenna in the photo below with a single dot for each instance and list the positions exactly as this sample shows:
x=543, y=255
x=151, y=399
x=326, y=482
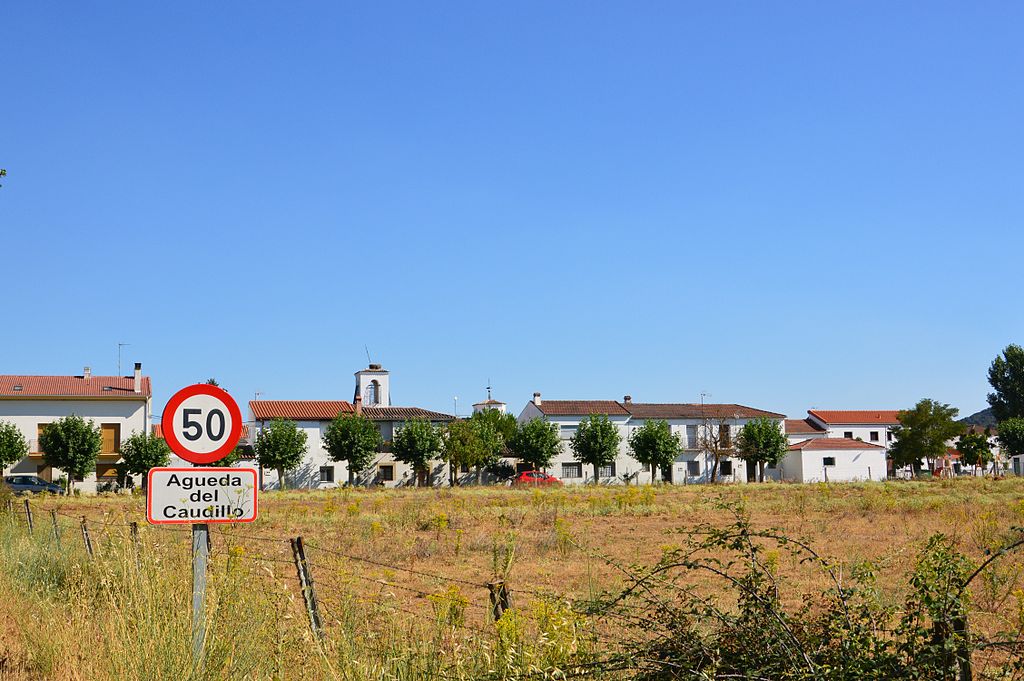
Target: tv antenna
x=368, y=360
x=119, y=346
x=488, y=389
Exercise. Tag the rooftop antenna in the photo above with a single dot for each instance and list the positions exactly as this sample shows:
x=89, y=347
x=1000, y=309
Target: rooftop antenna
x=488, y=390
x=368, y=360
x=119, y=346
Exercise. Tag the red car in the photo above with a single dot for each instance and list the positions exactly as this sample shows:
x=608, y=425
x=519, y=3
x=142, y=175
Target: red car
x=534, y=479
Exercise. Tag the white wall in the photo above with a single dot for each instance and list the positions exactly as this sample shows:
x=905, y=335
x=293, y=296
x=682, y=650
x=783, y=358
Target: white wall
x=132, y=415
x=852, y=465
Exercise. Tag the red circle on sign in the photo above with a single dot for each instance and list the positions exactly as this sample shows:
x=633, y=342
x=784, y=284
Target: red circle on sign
x=180, y=448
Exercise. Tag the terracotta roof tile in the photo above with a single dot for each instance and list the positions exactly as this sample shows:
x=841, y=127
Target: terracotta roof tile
x=802, y=426
x=832, y=443
x=404, y=414
x=112, y=387
x=582, y=407
x=647, y=410
x=299, y=410
x=853, y=417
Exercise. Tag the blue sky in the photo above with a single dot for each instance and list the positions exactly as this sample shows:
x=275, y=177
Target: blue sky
x=786, y=205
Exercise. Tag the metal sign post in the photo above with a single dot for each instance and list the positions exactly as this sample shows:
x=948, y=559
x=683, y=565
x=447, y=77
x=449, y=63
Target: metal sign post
x=200, y=558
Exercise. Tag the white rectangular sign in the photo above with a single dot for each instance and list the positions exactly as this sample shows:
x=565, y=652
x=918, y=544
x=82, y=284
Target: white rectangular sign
x=201, y=495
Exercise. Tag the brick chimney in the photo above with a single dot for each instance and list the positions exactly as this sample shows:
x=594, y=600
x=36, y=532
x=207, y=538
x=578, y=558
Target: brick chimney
x=359, y=404
x=87, y=373
x=536, y=399
x=138, y=377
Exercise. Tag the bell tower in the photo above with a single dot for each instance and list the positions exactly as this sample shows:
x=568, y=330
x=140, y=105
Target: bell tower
x=373, y=386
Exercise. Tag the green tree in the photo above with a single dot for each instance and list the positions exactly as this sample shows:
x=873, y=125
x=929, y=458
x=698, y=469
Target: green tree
x=280, y=446
x=462, y=446
x=417, y=444
x=923, y=433
x=233, y=457
x=1006, y=376
x=1011, y=436
x=72, y=445
x=13, y=445
x=975, y=449
x=143, y=451
x=654, y=445
x=213, y=382
x=354, y=439
x=596, y=442
x=492, y=429
x=505, y=425
x=535, y=443
x=761, y=440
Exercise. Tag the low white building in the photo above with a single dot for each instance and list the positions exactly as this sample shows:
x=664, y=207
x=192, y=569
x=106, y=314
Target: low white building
x=696, y=424
x=317, y=470
x=118, y=405
x=830, y=459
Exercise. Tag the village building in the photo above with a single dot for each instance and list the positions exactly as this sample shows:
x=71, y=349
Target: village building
x=702, y=429
x=831, y=459
x=118, y=405
x=372, y=399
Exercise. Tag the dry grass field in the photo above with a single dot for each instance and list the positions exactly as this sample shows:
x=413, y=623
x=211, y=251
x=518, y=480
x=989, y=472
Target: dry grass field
x=401, y=575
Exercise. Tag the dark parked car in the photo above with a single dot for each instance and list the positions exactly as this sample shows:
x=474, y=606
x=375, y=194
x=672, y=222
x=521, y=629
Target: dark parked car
x=31, y=484
x=534, y=479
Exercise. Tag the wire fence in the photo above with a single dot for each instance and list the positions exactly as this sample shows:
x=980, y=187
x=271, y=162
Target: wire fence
x=327, y=579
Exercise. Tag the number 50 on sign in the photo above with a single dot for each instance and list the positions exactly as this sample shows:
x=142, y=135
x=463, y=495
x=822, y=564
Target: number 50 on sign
x=202, y=423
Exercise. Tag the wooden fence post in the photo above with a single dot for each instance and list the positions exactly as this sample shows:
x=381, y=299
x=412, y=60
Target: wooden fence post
x=85, y=538
x=501, y=599
x=28, y=514
x=56, y=528
x=135, y=542
x=306, y=584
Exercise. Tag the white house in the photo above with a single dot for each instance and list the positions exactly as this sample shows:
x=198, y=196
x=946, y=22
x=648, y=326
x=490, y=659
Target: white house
x=831, y=459
x=697, y=425
x=118, y=405
x=870, y=425
x=373, y=400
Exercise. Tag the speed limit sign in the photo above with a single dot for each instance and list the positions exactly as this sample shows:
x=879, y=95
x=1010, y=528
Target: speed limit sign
x=202, y=423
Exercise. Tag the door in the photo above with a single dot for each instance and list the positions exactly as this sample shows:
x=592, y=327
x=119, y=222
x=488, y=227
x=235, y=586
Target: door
x=751, y=471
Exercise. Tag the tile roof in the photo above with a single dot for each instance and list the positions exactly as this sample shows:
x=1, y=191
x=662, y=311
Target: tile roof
x=299, y=410
x=865, y=416
x=582, y=407
x=404, y=414
x=112, y=387
x=158, y=431
x=832, y=443
x=803, y=426
x=647, y=410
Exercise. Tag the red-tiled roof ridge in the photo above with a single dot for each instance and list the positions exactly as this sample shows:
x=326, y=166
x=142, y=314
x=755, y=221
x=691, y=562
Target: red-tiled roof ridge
x=803, y=426
x=109, y=387
x=582, y=407
x=828, y=443
x=856, y=416
x=299, y=410
x=689, y=410
x=404, y=414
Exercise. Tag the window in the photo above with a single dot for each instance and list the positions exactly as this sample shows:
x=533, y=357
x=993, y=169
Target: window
x=848, y=435
x=386, y=472
x=888, y=436
x=691, y=437
x=566, y=432
x=693, y=468
x=326, y=473
x=370, y=393
x=874, y=436
x=572, y=470
x=111, y=433
x=724, y=436
x=464, y=468
x=606, y=471
x=646, y=468
x=828, y=461
x=726, y=469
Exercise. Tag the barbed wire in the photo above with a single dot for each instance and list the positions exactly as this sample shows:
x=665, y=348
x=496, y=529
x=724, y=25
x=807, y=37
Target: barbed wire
x=382, y=564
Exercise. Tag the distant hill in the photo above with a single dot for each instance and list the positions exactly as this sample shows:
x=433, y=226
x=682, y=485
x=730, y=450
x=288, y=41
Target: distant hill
x=983, y=418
